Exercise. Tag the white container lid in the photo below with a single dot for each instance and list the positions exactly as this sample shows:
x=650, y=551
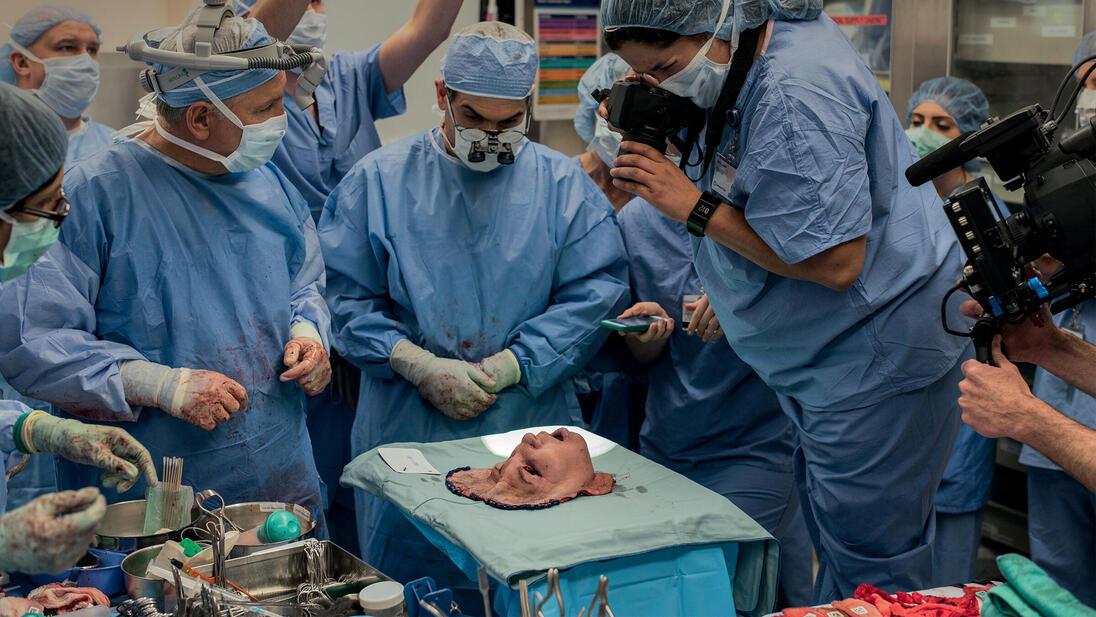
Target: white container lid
x=380, y=596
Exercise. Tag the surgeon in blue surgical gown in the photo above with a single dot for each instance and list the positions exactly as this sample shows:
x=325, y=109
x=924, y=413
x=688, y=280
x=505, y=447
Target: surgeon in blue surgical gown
x=465, y=284
x=185, y=296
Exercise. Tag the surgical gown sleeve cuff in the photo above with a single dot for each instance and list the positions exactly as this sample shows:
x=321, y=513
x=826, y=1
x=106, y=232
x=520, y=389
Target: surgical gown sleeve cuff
x=10, y=414
x=305, y=329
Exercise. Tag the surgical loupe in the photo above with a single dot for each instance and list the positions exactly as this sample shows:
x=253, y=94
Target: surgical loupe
x=277, y=55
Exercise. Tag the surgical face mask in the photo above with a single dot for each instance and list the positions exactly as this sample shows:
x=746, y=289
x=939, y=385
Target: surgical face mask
x=605, y=143
x=926, y=140
x=1086, y=107
x=257, y=144
x=311, y=31
x=483, y=150
x=70, y=84
x=701, y=80
x=28, y=242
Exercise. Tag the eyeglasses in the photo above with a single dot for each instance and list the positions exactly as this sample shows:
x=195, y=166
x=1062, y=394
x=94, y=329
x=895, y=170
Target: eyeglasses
x=60, y=210
x=504, y=136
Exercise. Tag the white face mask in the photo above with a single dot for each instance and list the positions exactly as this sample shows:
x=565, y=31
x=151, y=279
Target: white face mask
x=257, y=144
x=464, y=146
x=311, y=31
x=70, y=84
x=606, y=143
x=701, y=80
x=1086, y=107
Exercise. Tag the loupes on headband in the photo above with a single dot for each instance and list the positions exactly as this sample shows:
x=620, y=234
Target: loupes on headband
x=277, y=55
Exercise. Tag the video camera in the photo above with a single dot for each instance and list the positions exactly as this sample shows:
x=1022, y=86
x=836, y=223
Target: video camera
x=1058, y=177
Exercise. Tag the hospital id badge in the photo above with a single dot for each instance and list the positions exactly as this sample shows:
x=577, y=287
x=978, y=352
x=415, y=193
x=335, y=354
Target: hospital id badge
x=723, y=172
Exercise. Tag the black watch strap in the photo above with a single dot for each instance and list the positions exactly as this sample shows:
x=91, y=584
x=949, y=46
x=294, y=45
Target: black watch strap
x=702, y=213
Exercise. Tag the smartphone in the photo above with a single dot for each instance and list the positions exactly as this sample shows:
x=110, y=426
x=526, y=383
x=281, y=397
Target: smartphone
x=631, y=324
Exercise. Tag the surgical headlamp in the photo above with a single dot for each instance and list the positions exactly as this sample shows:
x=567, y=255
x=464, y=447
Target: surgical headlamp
x=277, y=55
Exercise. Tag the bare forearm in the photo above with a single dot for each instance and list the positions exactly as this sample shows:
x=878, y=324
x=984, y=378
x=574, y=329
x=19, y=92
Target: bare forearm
x=836, y=268
x=1070, y=445
x=279, y=17
x=407, y=48
x=1072, y=360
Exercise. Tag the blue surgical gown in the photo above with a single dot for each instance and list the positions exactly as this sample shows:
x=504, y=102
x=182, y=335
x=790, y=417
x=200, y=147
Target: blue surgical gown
x=158, y=262
x=708, y=415
x=86, y=140
x=9, y=455
x=527, y=257
x=819, y=156
x=349, y=99
x=40, y=474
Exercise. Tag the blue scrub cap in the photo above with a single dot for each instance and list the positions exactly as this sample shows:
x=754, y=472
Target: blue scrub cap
x=492, y=59
x=1086, y=48
x=687, y=17
x=31, y=26
x=33, y=143
x=600, y=75
x=234, y=34
x=963, y=101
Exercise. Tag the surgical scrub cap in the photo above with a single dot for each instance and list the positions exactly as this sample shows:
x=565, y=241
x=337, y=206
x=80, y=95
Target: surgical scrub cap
x=600, y=75
x=31, y=26
x=33, y=143
x=1086, y=48
x=688, y=17
x=234, y=34
x=492, y=59
x=963, y=101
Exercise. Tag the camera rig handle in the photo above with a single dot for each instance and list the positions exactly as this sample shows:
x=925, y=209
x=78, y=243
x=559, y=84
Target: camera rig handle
x=982, y=333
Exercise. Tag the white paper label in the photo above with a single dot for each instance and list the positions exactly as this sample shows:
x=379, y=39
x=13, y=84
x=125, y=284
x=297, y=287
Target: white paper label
x=406, y=460
x=269, y=506
x=1035, y=11
x=1002, y=22
x=976, y=39
x=1059, y=32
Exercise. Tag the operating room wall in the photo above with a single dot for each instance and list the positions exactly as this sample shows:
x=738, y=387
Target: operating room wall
x=352, y=25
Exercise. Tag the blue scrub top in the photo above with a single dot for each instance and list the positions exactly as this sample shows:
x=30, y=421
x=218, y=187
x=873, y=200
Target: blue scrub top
x=349, y=99
x=1080, y=319
x=163, y=263
x=527, y=257
x=705, y=406
x=92, y=137
x=820, y=157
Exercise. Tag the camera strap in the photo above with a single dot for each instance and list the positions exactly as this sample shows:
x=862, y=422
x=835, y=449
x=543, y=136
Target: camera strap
x=741, y=63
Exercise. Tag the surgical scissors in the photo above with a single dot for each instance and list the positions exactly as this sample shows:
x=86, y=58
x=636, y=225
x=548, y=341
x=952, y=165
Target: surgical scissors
x=549, y=590
x=601, y=600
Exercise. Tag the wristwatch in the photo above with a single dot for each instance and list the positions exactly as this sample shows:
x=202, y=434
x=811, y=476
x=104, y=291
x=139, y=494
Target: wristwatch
x=702, y=213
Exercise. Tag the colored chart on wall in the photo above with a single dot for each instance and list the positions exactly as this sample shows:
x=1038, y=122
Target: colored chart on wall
x=567, y=41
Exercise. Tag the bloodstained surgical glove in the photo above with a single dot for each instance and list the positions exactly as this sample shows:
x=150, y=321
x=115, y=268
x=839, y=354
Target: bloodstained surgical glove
x=202, y=398
x=456, y=387
x=106, y=447
x=306, y=359
x=503, y=368
x=51, y=533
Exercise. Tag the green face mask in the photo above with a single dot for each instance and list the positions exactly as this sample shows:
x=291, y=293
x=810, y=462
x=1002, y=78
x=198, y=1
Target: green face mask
x=925, y=140
x=27, y=243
